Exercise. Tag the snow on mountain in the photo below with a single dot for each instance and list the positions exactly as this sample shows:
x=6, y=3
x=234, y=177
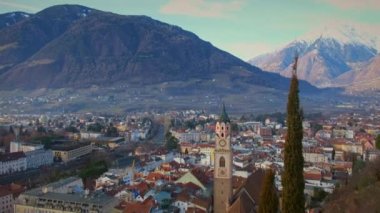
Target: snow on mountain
x=8, y=19
x=325, y=54
x=344, y=34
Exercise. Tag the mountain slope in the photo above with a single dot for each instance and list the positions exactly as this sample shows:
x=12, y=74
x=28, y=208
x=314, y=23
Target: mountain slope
x=75, y=46
x=323, y=58
x=20, y=41
x=8, y=19
x=367, y=77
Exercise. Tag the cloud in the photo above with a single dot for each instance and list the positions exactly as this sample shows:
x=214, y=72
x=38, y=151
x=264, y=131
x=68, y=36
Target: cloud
x=18, y=6
x=354, y=4
x=201, y=8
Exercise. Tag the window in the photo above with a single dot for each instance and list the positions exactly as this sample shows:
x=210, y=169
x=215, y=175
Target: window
x=222, y=162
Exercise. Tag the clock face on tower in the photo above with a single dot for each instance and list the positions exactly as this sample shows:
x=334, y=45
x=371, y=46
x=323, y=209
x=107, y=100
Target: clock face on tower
x=222, y=143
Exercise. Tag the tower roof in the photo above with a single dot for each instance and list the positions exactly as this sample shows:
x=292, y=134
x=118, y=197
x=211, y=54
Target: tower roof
x=224, y=116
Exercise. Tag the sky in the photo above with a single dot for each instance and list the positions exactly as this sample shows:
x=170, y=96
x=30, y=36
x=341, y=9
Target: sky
x=245, y=28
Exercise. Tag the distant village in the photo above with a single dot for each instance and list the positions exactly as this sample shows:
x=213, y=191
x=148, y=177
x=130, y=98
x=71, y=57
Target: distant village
x=164, y=162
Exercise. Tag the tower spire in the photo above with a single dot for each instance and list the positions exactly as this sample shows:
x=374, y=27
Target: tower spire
x=224, y=116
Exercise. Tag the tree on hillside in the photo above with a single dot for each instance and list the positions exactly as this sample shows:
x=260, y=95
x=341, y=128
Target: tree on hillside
x=293, y=200
x=268, y=195
x=378, y=141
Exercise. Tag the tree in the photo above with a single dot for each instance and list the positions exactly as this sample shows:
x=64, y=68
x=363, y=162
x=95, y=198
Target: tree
x=72, y=129
x=293, y=200
x=171, y=141
x=93, y=170
x=111, y=131
x=319, y=194
x=96, y=127
x=268, y=195
x=378, y=141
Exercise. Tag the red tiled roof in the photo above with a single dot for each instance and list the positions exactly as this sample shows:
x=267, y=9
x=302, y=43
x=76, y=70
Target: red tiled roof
x=142, y=187
x=312, y=176
x=138, y=207
x=12, y=188
x=153, y=176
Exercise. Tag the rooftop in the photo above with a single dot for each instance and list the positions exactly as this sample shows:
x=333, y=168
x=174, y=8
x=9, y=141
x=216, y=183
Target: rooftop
x=67, y=146
x=11, y=156
x=99, y=199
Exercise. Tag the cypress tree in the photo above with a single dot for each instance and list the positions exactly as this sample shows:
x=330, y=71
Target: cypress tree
x=268, y=195
x=293, y=200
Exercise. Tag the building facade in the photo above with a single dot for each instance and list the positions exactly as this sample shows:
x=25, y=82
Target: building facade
x=7, y=197
x=37, y=158
x=6, y=202
x=71, y=151
x=16, y=146
x=12, y=162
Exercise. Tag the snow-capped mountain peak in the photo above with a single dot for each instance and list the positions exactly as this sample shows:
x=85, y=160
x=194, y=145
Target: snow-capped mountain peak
x=325, y=55
x=344, y=34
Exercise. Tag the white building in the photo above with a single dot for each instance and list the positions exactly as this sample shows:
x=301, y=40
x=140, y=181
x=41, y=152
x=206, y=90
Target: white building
x=187, y=136
x=70, y=151
x=64, y=196
x=90, y=135
x=24, y=147
x=37, y=158
x=315, y=157
x=66, y=185
x=12, y=162
x=6, y=202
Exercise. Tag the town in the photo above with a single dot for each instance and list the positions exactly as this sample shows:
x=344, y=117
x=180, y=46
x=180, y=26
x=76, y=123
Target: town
x=164, y=162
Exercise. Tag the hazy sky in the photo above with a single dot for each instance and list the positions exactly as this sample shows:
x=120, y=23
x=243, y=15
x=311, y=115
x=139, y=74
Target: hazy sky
x=244, y=28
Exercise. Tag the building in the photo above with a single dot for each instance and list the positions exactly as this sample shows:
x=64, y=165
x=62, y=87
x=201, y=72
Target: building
x=63, y=196
x=191, y=136
x=348, y=147
x=12, y=162
x=16, y=146
x=190, y=178
x=6, y=201
x=222, y=164
x=90, y=135
x=7, y=197
x=37, y=158
x=71, y=150
x=315, y=156
x=372, y=155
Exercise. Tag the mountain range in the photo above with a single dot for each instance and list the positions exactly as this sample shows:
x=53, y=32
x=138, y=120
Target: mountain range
x=334, y=57
x=77, y=58
x=71, y=46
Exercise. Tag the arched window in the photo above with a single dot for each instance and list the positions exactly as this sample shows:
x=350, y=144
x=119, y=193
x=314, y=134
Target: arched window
x=222, y=162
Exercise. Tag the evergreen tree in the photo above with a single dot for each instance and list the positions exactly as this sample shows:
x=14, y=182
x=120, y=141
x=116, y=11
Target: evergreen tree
x=378, y=141
x=268, y=195
x=293, y=200
x=171, y=141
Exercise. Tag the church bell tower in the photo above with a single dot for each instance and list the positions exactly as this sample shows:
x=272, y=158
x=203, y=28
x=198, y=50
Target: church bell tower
x=222, y=164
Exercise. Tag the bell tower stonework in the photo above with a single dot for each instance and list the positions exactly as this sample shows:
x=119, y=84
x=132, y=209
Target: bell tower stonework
x=223, y=164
